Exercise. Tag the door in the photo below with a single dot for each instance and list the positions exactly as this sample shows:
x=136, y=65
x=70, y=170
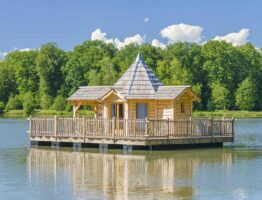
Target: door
x=141, y=115
x=118, y=115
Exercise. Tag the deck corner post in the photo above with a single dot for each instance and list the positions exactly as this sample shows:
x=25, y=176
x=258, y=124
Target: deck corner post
x=233, y=129
x=30, y=125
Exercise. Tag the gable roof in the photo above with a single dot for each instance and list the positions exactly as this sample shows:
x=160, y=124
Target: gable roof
x=138, y=81
x=90, y=93
x=173, y=92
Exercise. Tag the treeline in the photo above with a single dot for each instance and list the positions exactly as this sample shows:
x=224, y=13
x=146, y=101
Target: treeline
x=224, y=76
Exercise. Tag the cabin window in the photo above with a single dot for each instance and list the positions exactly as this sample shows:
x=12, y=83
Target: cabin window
x=182, y=107
x=141, y=110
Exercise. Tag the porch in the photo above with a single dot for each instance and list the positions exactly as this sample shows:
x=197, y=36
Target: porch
x=139, y=132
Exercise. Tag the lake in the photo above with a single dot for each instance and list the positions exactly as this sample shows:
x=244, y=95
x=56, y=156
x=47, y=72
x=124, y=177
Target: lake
x=232, y=172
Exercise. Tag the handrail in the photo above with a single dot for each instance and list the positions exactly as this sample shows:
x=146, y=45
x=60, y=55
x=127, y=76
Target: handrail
x=129, y=129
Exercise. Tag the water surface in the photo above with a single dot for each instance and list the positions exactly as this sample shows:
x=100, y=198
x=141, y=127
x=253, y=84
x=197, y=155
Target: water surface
x=232, y=172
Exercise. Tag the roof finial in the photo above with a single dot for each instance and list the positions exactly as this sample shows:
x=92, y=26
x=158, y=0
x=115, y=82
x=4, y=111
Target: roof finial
x=139, y=58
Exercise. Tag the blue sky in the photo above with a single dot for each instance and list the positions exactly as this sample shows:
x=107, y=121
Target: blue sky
x=31, y=23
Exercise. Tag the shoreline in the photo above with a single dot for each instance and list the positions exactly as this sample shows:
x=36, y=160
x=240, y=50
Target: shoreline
x=88, y=113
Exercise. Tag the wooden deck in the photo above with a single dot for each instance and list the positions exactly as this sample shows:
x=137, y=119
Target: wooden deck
x=131, y=131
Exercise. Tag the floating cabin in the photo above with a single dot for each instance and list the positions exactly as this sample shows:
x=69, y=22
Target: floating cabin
x=137, y=111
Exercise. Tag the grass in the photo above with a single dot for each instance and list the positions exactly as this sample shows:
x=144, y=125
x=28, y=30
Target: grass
x=88, y=113
x=222, y=113
x=20, y=113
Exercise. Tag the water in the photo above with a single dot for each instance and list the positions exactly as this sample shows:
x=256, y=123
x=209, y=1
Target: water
x=233, y=172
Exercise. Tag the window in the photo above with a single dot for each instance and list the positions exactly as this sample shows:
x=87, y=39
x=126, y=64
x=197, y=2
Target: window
x=141, y=110
x=182, y=107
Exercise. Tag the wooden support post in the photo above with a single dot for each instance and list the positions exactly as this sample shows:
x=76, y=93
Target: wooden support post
x=233, y=130
x=30, y=125
x=191, y=126
x=84, y=128
x=55, y=127
x=168, y=128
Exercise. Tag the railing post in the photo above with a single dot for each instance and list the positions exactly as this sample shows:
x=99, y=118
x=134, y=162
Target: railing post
x=233, y=131
x=168, y=128
x=30, y=125
x=113, y=127
x=146, y=127
x=191, y=126
x=55, y=127
x=211, y=132
x=84, y=128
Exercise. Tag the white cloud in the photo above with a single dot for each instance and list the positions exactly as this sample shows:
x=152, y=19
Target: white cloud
x=182, y=33
x=238, y=38
x=157, y=43
x=146, y=19
x=3, y=54
x=99, y=35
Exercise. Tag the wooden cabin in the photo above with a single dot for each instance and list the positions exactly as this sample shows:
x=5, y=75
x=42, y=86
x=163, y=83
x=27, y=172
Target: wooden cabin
x=138, y=110
x=138, y=94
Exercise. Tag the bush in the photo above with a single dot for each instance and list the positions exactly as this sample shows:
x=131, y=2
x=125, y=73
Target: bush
x=14, y=103
x=46, y=102
x=246, y=95
x=28, y=103
x=2, y=107
x=59, y=103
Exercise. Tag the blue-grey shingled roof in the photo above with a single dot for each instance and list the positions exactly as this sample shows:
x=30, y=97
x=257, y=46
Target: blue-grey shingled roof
x=138, y=82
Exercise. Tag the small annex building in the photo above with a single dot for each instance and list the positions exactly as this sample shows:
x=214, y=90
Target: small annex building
x=138, y=94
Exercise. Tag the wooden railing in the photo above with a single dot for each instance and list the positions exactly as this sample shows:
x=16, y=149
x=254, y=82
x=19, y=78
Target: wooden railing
x=138, y=129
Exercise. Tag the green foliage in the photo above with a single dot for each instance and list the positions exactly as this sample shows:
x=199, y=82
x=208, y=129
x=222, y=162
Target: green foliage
x=246, y=95
x=46, y=101
x=220, y=74
x=219, y=98
x=59, y=103
x=2, y=107
x=14, y=103
x=7, y=81
x=49, y=62
x=28, y=103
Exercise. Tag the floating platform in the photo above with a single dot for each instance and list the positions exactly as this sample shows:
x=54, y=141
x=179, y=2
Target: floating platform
x=151, y=134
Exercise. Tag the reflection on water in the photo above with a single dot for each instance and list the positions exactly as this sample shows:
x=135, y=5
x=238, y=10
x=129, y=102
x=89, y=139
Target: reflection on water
x=119, y=176
x=232, y=172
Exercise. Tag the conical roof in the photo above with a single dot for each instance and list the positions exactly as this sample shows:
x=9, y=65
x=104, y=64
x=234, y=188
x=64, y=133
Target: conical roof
x=138, y=81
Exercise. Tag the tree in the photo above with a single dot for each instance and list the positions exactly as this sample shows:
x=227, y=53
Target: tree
x=84, y=58
x=46, y=101
x=219, y=96
x=28, y=103
x=14, y=103
x=246, y=95
x=23, y=63
x=59, y=103
x=49, y=62
x=2, y=107
x=7, y=82
x=108, y=73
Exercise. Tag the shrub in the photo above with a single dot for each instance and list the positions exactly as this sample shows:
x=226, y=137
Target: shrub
x=2, y=107
x=28, y=103
x=59, y=103
x=46, y=102
x=14, y=103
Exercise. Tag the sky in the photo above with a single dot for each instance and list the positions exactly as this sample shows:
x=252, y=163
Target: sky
x=28, y=24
